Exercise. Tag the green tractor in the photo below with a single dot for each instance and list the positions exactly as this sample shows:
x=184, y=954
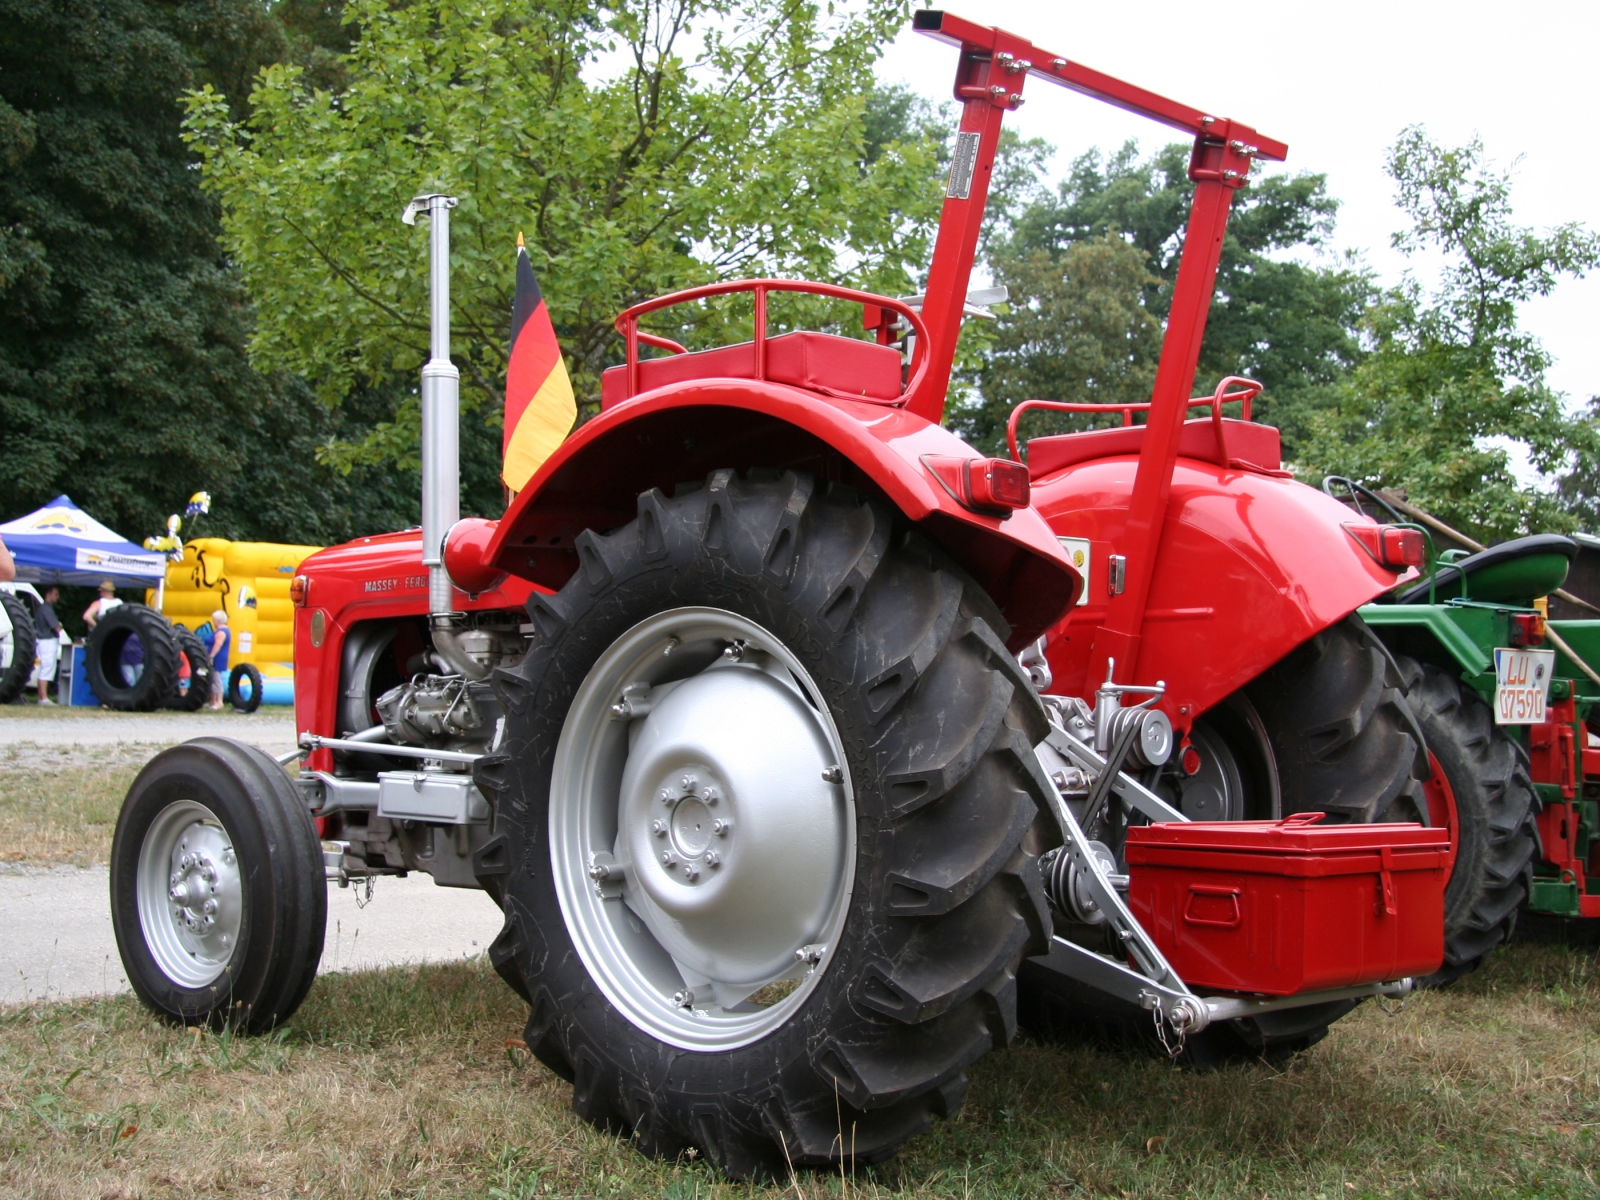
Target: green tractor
x=1503, y=697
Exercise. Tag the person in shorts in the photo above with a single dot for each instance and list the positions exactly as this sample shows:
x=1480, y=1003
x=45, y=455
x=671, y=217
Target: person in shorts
x=47, y=632
x=219, y=656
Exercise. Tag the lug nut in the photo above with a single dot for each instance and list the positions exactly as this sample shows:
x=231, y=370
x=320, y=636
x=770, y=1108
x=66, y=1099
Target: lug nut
x=691, y=872
x=659, y=828
x=688, y=783
x=666, y=857
x=709, y=795
x=665, y=797
x=210, y=907
x=721, y=827
x=684, y=999
x=833, y=774
x=713, y=859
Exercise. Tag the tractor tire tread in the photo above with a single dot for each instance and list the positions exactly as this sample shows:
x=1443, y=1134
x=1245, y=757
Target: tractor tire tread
x=947, y=902
x=1495, y=807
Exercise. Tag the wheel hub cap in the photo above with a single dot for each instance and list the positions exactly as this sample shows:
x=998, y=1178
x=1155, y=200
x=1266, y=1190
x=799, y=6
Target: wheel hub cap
x=702, y=830
x=190, y=894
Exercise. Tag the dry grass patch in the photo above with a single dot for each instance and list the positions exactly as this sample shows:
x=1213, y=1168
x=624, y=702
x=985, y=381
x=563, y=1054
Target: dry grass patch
x=409, y=1082
x=60, y=804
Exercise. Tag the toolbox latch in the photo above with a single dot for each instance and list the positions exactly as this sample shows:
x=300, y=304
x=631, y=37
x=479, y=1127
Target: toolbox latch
x=1386, y=881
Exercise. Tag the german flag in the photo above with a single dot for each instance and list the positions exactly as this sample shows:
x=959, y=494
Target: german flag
x=540, y=408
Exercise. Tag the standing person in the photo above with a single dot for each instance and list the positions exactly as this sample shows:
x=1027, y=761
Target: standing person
x=219, y=656
x=47, y=629
x=8, y=567
x=106, y=601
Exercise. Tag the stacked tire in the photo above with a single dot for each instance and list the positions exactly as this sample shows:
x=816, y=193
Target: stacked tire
x=131, y=659
x=189, y=694
x=16, y=649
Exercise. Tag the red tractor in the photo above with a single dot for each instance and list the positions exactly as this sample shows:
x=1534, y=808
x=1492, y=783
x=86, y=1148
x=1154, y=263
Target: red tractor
x=782, y=774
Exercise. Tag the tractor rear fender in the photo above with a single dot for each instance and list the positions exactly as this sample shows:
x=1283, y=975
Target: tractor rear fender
x=1249, y=566
x=682, y=432
x=1459, y=642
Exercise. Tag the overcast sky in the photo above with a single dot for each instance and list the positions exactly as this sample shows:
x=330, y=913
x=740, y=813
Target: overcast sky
x=1338, y=83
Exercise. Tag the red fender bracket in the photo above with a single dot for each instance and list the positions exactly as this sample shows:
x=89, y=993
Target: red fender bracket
x=680, y=433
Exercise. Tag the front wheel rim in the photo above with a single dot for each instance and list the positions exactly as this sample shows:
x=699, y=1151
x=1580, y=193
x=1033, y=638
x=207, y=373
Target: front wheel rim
x=702, y=829
x=190, y=894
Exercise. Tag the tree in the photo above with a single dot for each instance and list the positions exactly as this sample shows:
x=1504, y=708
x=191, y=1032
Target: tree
x=1452, y=381
x=1288, y=323
x=642, y=148
x=124, y=374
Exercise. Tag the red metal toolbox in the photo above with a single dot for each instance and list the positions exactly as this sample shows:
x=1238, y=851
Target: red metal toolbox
x=1280, y=907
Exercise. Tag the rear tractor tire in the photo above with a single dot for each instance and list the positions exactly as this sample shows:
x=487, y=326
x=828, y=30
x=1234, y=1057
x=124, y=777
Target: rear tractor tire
x=218, y=895
x=759, y=811
x=1482, y=793
x=1326, y=729
x=131, y=659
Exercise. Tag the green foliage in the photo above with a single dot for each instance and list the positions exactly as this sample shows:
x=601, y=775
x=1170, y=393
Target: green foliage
x=1078, y=328
x=1086, y=312
x=641, y=148
x=1451, y=378
x=124, y=375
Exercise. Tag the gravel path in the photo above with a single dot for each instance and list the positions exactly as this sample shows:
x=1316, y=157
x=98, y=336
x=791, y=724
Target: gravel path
x=273, y=731
x=55, y=922
x=58, y=941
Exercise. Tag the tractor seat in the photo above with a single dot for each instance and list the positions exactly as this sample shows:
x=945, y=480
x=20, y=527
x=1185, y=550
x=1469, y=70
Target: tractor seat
x=1249, y=443
x=1513, y=572
x=847, y=368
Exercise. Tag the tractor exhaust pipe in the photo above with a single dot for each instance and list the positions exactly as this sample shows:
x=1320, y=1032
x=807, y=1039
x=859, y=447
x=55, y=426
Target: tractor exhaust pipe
x=441, y=437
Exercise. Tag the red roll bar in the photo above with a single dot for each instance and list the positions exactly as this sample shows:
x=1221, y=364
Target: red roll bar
x=1247, y=392
x=627, y=322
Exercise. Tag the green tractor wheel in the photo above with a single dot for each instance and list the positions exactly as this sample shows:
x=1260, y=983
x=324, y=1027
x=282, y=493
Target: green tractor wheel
x=1482, y=793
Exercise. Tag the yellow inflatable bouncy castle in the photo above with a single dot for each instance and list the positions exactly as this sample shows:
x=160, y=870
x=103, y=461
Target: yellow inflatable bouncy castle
x=250, y=582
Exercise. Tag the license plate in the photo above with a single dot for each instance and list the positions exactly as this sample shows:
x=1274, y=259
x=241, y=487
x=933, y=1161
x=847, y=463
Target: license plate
x=1522, y=685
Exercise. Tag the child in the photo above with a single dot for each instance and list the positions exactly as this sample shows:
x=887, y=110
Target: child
x=219, y=657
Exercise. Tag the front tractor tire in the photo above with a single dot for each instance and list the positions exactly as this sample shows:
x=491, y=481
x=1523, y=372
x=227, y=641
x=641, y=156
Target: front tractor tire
x=218, y=897
x=759, y=812
x=1482, y=793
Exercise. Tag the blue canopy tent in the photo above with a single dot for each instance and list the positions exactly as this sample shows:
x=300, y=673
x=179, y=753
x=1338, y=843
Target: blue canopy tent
x=62, y=544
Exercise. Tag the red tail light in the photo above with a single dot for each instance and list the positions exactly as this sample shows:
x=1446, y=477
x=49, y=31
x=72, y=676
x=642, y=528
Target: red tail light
x=1392, y=546
x=299, y=590
x=1527, y=629
x=992, y=485
x=997, y=483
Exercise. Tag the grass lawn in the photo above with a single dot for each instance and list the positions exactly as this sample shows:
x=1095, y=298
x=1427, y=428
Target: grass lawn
x=63, y=812
x=410, y=1082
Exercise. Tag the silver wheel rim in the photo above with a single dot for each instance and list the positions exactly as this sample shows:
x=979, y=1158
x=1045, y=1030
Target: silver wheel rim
x=190, y=894
x=702, y=829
